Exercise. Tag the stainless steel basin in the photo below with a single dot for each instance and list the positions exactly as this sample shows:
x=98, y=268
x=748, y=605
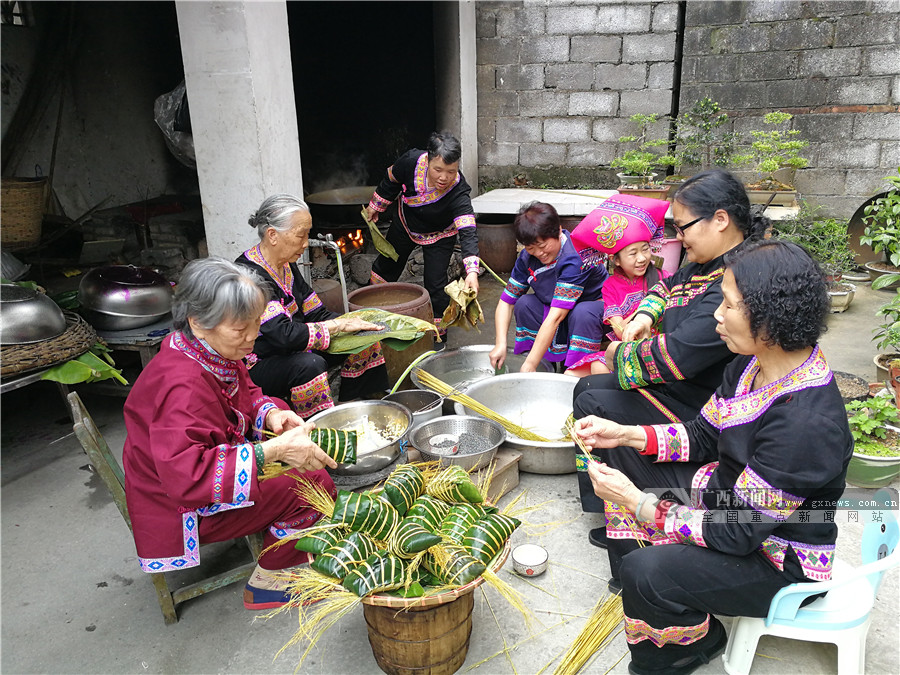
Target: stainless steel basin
x=540, y=402
x=466, y=365
x=382, y=414
x=27, y=316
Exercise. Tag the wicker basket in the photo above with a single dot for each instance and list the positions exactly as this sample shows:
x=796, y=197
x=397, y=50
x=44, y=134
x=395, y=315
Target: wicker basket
x=21, y=211
x=75, y=341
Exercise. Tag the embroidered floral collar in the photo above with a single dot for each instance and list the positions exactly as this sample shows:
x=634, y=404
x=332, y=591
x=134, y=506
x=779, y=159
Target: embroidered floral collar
x=421, y=180
x=286, y=283
x=224, y=369
x=747, y=405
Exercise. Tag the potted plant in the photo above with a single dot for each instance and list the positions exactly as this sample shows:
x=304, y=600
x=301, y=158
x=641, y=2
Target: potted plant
x=876, y=438
x=639, y=161
x=882, y=233
x=771, y=151
x=887, y=362
x=704, y=139
x=828, y=241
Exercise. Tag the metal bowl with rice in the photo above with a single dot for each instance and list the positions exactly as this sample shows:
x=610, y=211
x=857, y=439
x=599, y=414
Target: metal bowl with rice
x=385, y=422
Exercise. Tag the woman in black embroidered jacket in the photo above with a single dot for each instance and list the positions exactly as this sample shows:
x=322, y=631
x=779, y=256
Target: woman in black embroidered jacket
x=754, y=479
x=434, y=207
x=669, y=376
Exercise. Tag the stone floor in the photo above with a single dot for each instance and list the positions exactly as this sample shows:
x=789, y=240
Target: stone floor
x=75, y=601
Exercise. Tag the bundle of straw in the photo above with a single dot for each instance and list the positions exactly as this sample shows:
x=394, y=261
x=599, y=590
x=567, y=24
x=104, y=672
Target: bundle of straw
x=595, y=636
x=445, y=389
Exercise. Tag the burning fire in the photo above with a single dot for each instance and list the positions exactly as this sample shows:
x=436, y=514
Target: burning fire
x=351, y=241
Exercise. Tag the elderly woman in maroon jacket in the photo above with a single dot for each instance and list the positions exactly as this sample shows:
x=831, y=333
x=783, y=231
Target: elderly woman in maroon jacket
x=194, y=449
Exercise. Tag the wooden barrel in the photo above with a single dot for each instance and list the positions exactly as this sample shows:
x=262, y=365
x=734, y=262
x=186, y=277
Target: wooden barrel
x=430, y=641
x=399, y=298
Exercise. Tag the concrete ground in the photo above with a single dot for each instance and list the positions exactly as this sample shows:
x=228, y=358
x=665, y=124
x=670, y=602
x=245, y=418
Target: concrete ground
x=75, y=601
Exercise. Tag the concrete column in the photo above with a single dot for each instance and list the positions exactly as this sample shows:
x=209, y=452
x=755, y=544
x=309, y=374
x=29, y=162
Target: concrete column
x=456, y=99
x=237, y=65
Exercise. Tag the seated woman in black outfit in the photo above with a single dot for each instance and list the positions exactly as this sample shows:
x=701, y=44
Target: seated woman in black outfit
x=739, y=501
x=670, y=375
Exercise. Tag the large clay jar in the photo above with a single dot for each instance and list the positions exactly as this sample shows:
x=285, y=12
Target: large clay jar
x=399, y=298
x=497, y=242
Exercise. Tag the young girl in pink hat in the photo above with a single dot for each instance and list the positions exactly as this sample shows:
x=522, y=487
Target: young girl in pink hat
x=628, y=229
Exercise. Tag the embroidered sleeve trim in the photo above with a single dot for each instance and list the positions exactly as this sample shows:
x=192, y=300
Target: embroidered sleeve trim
x=319, y=337
x=672, y=442
x=471, y=263
x=513, y=291
x=654, y=304
x=760, y=495
x=273, y=309
x=685, y=525
x=628, y=366
x=566, y=295
x=637, y=630
x=244, y=468
x=260, y=421
x=311, y=302
x=646, y=350
x=467, y=220
x=378, y=202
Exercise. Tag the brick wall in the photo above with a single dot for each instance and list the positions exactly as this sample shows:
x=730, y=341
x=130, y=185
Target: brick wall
x=558, y=80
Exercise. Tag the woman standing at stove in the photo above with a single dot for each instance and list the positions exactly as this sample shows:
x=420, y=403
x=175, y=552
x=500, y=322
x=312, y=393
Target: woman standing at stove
x=289, y=359
x=434, y=209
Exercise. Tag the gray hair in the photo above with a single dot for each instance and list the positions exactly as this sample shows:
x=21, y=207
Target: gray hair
x=212, y=290
x=445, y=145
x=276, y=212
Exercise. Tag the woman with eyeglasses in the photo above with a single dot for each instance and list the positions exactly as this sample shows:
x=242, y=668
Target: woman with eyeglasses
x=669, y=376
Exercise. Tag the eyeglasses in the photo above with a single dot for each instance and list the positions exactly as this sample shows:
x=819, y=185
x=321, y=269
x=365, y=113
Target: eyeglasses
x=679, y=229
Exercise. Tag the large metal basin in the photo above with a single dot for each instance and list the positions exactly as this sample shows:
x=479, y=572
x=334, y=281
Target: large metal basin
x=540, y=402
x=381, y=413
x=466, y=365
x=27, y=316
x=123, y=297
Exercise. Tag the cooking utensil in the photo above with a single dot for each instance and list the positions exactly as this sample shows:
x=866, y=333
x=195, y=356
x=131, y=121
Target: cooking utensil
x=382, y=414
x=424, y=405
x=122, y=297
x=435, y=432
x=467, y=365
x=530, y=560
x=541, y=402
x=27, y=316
x=339, y=206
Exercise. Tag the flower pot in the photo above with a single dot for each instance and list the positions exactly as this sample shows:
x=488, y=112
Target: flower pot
x=778, y=197
x=878, y=268
x=626, y=179
x=652, y=191
x=895, y=384
x=841, y=295
x=882, y=372
x=868, y=471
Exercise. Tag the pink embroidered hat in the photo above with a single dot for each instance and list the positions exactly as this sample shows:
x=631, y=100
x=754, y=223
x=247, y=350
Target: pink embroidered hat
x=620, y=221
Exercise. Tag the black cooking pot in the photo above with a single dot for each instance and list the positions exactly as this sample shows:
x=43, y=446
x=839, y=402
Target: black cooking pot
x=340, y=206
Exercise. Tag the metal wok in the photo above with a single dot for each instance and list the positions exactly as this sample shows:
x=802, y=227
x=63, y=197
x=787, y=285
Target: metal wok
x=340, y=206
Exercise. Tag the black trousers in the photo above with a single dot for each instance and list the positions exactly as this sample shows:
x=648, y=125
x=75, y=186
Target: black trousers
x=600, y=395
x=277, y=375
x=680, y=585
x=436, y=257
